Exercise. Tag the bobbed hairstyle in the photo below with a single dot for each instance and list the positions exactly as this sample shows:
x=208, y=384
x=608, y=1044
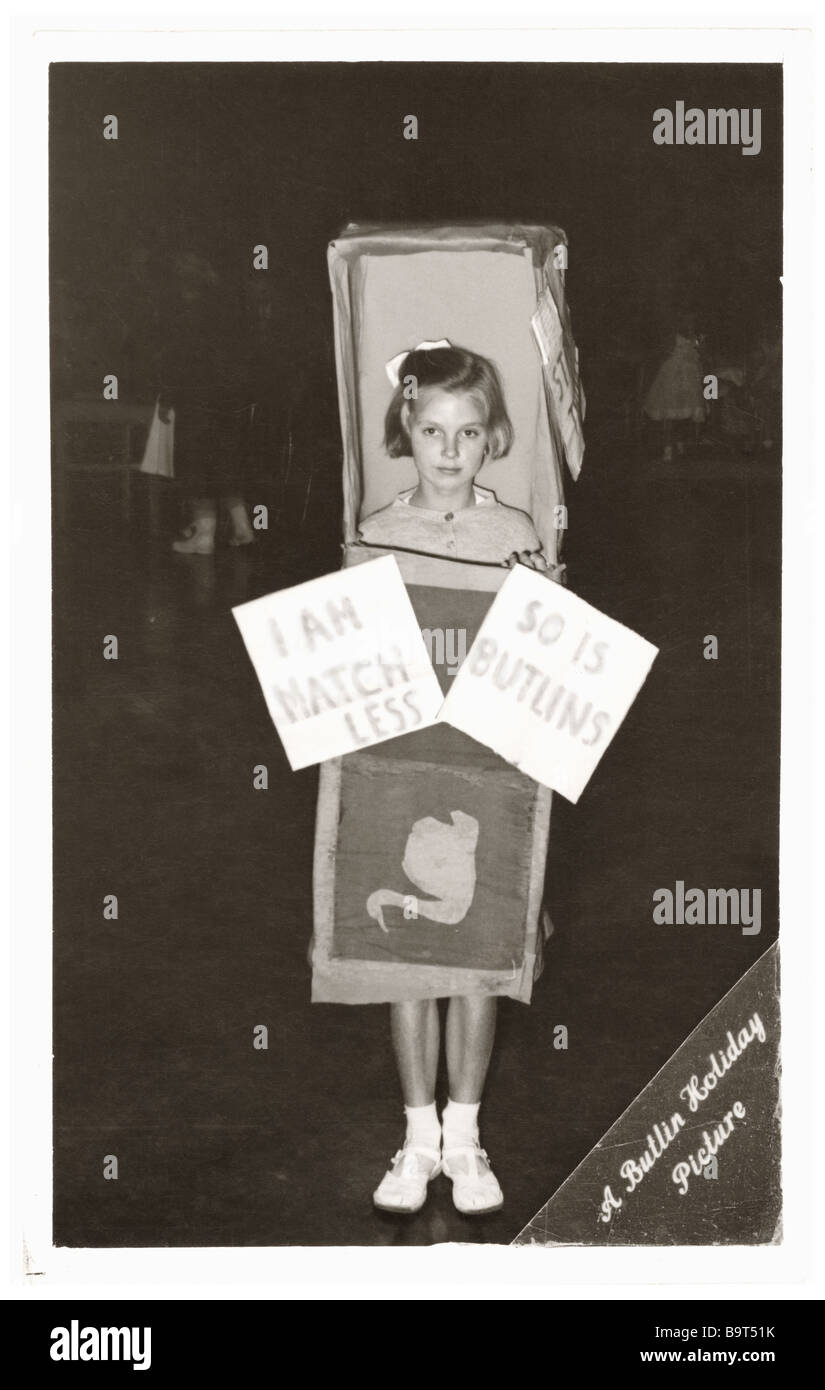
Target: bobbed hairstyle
x=454, y=369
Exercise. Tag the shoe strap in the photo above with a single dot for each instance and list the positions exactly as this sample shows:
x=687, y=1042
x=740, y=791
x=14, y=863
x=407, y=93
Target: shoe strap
x=469, y=1151
x=413, y=1149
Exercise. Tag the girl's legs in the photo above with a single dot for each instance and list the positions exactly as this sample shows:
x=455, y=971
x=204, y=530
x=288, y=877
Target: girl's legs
x=415, y=1036
x=471, y=1027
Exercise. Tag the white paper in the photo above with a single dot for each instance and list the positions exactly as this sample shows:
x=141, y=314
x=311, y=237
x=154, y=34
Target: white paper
x=341, y=661
x=548, y=681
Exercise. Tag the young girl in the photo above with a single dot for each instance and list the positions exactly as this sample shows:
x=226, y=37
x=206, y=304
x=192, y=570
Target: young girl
x=456, y=421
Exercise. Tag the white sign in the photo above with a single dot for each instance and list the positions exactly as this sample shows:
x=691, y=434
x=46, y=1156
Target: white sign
x=341, y=661
x=547, y=681
x=565, y=391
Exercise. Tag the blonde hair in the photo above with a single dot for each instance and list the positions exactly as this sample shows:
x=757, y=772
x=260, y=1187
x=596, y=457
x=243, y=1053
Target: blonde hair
x=453, y=369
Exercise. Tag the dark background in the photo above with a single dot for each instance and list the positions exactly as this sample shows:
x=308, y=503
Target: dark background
x=219, y=1143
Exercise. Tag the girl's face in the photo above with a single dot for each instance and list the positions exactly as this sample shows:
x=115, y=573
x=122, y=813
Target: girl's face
x=448, y=432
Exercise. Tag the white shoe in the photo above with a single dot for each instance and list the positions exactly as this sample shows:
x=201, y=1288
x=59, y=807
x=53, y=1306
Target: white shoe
x=403, y=1188
x=241, y=537
x=475, y=1185
x=196, y=540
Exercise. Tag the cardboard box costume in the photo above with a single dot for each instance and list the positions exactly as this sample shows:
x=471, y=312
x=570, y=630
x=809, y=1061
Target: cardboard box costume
x=430, y=849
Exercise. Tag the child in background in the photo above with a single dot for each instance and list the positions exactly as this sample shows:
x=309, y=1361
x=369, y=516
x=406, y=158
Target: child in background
x=676, y=395
x=204, y=375
x=457, y=420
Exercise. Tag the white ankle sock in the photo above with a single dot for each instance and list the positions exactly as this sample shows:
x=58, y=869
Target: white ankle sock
x=460, y=1123
x=422, y=1125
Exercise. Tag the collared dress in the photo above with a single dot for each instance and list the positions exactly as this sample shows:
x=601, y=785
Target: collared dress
x=486, y=531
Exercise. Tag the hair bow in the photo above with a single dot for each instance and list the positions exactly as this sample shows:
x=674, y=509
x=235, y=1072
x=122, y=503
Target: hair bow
x=393, y=367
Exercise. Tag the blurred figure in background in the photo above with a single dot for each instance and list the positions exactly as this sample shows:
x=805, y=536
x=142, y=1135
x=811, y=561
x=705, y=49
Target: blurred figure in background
x=203, y=374
x=675, y=395
x=750, y=396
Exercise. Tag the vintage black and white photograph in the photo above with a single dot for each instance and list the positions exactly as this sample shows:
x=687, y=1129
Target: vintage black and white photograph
x=416, y=449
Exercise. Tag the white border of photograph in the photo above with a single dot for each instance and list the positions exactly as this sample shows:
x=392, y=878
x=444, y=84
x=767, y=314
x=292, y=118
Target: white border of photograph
x=462, y=1272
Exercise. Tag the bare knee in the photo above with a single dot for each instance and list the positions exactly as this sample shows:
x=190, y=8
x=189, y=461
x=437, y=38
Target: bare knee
x=474, y=1007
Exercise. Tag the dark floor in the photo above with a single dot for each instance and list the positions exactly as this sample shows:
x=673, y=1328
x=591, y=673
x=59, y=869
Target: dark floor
x=222, y=1144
